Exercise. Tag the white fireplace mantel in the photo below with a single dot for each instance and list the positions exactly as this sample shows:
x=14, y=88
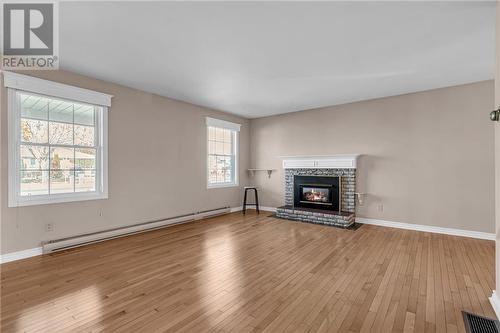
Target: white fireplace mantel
x=344, y=161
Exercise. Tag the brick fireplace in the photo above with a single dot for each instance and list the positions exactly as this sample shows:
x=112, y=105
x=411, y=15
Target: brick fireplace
x=320, y=190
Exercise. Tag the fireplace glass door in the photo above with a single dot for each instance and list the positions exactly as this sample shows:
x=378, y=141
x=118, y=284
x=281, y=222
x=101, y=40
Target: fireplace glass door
x=316, y=194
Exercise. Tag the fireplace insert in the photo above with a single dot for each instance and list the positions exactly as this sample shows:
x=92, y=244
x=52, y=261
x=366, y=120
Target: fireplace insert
x=321, y=192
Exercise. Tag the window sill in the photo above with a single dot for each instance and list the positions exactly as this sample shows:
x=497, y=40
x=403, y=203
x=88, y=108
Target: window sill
x=62, y=198
x=212, y=186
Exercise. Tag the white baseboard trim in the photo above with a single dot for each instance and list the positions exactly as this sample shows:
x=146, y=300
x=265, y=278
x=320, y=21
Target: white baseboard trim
x=428, y=228
x=263, y=208
x=236, y=209
x=8, y=257
x=268, y=209
x=409, y=226
x=76, y=241
x=495, y=303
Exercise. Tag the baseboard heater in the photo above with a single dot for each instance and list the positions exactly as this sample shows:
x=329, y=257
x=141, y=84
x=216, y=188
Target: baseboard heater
x=75, y=241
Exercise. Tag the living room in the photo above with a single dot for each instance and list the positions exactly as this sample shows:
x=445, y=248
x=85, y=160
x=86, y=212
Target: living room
x=249, y=166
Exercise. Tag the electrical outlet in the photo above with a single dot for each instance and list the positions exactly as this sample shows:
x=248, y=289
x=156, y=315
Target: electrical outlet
x=380, y=207
x=49, y=227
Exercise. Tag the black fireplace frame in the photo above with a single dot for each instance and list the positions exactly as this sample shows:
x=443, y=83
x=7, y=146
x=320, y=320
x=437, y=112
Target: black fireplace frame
x=331, y=182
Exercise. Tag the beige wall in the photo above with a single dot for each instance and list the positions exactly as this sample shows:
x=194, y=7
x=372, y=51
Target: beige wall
x=157, y=149
x=428, y=157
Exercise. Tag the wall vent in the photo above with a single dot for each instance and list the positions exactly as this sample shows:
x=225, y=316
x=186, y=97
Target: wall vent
x=478, y=324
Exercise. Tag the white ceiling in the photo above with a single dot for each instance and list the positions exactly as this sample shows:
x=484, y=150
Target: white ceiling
x=256, y=59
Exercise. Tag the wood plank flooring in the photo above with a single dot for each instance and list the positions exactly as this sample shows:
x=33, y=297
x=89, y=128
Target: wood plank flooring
x=238, y=273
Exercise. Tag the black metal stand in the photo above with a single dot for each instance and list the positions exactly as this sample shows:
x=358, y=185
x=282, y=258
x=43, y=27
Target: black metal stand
x=256, y=204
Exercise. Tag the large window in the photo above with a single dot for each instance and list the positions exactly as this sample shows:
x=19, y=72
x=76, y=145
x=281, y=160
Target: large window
x=222, y=153
x=57, y=149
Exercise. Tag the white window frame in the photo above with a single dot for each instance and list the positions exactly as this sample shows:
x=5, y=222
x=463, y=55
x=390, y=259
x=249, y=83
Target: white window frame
x=235, y=129
x=22, y=83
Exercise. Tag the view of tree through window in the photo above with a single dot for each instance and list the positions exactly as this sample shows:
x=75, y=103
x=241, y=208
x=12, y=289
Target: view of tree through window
x=221, y=156
x=58, y=148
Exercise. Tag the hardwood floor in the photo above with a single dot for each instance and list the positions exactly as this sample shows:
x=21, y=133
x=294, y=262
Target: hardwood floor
x=248, y=273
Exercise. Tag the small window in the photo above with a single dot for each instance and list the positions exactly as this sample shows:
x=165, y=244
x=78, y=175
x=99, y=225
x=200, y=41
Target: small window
x=57, y=149
x=222, y=150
